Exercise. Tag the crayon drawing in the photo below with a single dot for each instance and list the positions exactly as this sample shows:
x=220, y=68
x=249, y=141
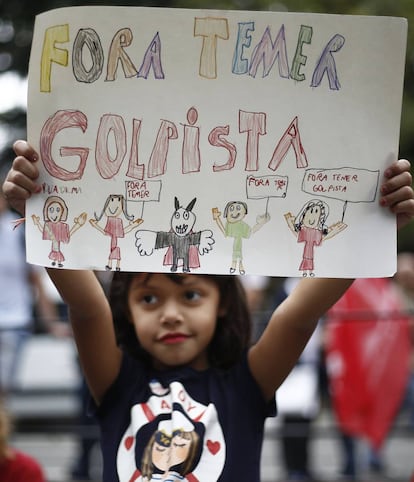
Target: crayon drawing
x=236, y=228
x=113, y=209
x=55, y=228
x=309, y=226
x=183, y=244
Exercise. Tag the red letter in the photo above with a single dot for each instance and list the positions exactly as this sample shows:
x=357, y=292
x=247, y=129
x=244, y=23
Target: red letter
x=63, y=119
x=191, y=143
x=215, y=139
x=135, y=170
x=158, y=159
x=254, y=123
x=291, y=137
x=108, y=167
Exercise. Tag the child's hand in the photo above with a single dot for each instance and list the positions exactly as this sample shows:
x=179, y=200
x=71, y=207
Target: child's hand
x=20, y=182
x=397, y=192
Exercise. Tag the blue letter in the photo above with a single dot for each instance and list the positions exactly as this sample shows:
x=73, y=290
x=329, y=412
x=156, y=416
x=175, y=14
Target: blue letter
x=241, y=65
x=326, y=63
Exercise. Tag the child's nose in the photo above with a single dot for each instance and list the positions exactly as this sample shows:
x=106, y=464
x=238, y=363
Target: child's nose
x=171, y=312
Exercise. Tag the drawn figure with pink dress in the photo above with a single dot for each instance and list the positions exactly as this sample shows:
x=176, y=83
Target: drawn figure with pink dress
x=310, y=228
x=55, y=228
x=114, y=207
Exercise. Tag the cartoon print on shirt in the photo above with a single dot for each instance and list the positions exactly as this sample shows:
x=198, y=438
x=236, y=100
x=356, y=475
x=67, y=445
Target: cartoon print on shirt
x=172, y=449
x=114, y=207
x=309, y=226
x=236, y=228
x=182, y=243
x=182, y=438
x=55, y=229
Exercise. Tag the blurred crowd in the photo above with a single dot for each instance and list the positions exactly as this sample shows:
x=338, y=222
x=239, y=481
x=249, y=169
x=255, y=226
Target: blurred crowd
x=359, y=364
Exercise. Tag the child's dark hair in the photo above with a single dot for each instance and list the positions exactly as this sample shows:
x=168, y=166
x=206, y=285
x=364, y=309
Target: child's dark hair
x=233, y=331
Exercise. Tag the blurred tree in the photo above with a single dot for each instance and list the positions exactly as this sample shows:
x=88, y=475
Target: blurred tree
x=16, y=27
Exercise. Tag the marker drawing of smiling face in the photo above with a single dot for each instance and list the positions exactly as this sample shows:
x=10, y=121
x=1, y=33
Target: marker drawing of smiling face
x=236, y=211
x=113, y=206
x=312, y=217
x=55, y=210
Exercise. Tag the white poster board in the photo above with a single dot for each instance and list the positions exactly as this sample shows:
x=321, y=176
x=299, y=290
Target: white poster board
x=214, y=141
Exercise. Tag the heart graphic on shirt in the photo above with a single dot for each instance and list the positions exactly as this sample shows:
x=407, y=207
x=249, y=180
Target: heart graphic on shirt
x=129, y=442
x=213, y=447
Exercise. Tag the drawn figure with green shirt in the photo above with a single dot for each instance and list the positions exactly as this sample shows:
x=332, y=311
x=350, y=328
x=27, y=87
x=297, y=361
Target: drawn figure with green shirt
x=235, y=227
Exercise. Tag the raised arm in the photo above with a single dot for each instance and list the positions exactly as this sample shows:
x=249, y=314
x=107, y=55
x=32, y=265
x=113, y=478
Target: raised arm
x=89, y=309
x=291, y=325
x=272, y=358
x=91, y=319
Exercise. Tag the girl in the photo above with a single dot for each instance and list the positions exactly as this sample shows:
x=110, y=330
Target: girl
x=55, y=228
x=165, y=344
x=115, y=206
x=310, y=228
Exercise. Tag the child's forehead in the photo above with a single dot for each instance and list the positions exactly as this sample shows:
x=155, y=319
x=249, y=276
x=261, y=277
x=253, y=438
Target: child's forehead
x=178, y=278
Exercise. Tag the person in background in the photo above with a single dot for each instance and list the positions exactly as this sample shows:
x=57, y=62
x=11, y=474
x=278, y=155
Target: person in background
x=22, y=298
x=298, y=401
x=367, y=360
x=404, y=279
x=15, y=465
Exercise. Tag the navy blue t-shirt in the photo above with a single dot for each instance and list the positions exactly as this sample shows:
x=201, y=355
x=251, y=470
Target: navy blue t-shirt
x=195, y=426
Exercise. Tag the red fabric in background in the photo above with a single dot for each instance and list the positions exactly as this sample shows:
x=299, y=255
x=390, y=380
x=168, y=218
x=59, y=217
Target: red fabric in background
x=367, y=355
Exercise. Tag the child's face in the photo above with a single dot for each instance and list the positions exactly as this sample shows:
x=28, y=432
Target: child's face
x=54, y=212
x=174, y=322
x=114, y=206
x=236, y=212
x=311, y=217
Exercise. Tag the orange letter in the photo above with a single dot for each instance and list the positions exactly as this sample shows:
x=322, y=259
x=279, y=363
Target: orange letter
x=210, y=28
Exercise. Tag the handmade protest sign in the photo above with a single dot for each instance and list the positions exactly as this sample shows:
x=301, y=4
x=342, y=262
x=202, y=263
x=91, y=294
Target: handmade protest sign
x=214, y=141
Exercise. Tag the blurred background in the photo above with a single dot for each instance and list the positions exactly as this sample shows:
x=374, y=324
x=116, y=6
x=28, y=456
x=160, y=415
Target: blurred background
x=310, y=439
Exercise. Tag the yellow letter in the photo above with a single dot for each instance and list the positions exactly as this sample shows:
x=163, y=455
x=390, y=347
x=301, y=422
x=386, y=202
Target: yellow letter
x=210, y=28
x=53, y=35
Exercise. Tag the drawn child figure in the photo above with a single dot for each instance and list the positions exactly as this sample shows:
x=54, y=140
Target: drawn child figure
x=190, y=331
x=114, y=207
x=235, y=227
x=172, y=451
x=55, y=228
x=184, y=245
x=310, y=228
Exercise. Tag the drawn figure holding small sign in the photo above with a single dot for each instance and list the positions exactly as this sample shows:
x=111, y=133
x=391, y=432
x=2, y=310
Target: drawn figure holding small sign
x=115, y=205
x=310, y=228
x=181, y=241
x=234, y=213
x=55, y=229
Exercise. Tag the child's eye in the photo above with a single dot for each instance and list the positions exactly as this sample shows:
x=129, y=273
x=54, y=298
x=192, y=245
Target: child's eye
x=149, y=299
x=192, y=295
